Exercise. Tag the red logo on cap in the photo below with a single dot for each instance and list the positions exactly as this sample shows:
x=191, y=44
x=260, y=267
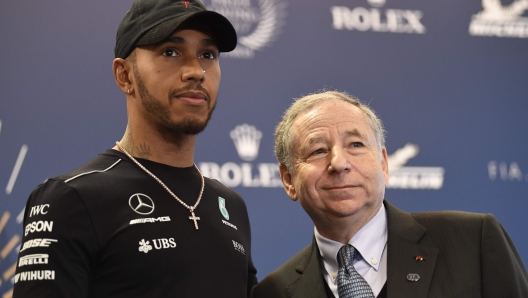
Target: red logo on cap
x=186, y=4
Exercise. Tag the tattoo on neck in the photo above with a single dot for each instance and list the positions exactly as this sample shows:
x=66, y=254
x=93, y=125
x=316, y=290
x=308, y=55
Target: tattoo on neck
x=143, y=150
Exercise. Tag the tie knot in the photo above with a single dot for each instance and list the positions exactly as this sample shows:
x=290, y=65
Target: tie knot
x=347, y=253
x=349, y=282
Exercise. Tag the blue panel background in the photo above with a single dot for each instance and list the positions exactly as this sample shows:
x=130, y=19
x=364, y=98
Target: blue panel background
x=462, y=99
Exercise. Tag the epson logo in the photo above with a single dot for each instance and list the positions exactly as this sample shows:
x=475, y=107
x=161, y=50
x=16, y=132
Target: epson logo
x=39, y=226
x=35, y=259
x=150, y=219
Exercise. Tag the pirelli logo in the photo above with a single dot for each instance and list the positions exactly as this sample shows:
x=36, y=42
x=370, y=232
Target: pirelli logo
x=35, y=259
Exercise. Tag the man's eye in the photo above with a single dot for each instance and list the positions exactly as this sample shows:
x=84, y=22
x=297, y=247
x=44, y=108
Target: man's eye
x=170, y=53
x=357, y=144
x=318, y=151
x=209, y=55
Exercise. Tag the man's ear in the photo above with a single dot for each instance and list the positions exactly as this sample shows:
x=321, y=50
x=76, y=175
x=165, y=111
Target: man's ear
x=122, y=70
x=287, y=182
x=385, y=164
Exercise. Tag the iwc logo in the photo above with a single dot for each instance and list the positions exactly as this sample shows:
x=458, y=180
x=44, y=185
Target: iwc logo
x=412, y=177
x=246, y=139
x=141, y=204
x=223, y=210
x=500, y=20
x=257, y=23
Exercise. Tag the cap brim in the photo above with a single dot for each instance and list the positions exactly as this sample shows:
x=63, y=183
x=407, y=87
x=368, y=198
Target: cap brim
x=212, y=23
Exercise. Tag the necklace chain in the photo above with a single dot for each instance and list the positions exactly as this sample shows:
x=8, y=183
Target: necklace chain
x=190, y=208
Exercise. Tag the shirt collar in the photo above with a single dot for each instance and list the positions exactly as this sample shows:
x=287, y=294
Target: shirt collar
x=370, y=241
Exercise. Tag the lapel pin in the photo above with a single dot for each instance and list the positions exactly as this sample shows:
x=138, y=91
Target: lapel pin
x=413, y=277
x=419, y=258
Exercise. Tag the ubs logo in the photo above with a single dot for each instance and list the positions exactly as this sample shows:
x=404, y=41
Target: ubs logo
x=141, y=204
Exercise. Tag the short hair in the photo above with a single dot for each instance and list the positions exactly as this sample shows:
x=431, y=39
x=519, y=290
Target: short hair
x=283, y=132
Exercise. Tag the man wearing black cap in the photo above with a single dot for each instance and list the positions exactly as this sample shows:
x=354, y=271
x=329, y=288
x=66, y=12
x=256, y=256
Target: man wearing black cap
x=140, y=220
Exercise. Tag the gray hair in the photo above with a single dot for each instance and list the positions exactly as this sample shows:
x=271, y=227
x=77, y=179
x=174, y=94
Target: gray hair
x=283, y=132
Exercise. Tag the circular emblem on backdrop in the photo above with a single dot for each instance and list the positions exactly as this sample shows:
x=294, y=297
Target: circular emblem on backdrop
x=141, y=204
x=257, y=22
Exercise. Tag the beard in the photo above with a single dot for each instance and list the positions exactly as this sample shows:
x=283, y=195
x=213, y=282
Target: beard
x=188, y=125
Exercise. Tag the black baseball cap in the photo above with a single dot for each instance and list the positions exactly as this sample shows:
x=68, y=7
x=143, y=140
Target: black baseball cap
x=152, y=21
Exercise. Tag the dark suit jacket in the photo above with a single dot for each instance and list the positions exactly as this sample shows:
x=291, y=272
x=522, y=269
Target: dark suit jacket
x=465, y=255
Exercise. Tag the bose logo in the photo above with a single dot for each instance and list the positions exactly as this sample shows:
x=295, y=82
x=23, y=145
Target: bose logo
x=38, y=242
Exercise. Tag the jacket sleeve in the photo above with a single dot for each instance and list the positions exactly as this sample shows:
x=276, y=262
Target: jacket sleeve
x=503, y=272
x=58, y=245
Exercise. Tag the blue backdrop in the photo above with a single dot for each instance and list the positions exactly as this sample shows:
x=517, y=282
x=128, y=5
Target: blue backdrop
x=448, y=78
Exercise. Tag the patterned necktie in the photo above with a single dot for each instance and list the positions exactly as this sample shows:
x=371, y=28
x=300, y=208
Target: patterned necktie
x=350, y=284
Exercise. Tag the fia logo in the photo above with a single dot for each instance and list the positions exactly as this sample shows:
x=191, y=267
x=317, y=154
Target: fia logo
x=223, y=210
x=257, y=23
x=500, y=20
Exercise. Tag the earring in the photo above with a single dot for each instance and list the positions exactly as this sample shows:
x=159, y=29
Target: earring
x=128, y=92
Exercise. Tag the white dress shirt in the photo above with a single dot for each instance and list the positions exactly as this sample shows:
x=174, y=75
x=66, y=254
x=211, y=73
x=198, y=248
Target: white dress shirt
x=371, y=262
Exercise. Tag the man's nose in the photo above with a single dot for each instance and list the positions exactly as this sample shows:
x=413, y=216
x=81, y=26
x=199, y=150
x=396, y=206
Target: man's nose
x=192, y=70
x=338, y=160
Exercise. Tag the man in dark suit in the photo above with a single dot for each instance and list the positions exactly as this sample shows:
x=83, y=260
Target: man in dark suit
x=332, y=158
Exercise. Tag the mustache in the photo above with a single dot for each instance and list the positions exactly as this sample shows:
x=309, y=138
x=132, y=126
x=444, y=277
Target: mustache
x=190, y=87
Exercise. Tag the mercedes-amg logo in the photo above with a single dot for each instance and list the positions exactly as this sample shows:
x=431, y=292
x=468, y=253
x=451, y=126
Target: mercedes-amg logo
x=141, y=204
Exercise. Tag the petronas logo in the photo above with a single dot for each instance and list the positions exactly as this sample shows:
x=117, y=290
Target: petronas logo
x=223, y=210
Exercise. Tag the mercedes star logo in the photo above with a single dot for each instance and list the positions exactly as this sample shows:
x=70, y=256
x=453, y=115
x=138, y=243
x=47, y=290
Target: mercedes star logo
x=141, y=204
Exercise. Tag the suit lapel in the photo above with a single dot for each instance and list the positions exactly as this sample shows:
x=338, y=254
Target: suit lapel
x=403, y=248
x=310, y=282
